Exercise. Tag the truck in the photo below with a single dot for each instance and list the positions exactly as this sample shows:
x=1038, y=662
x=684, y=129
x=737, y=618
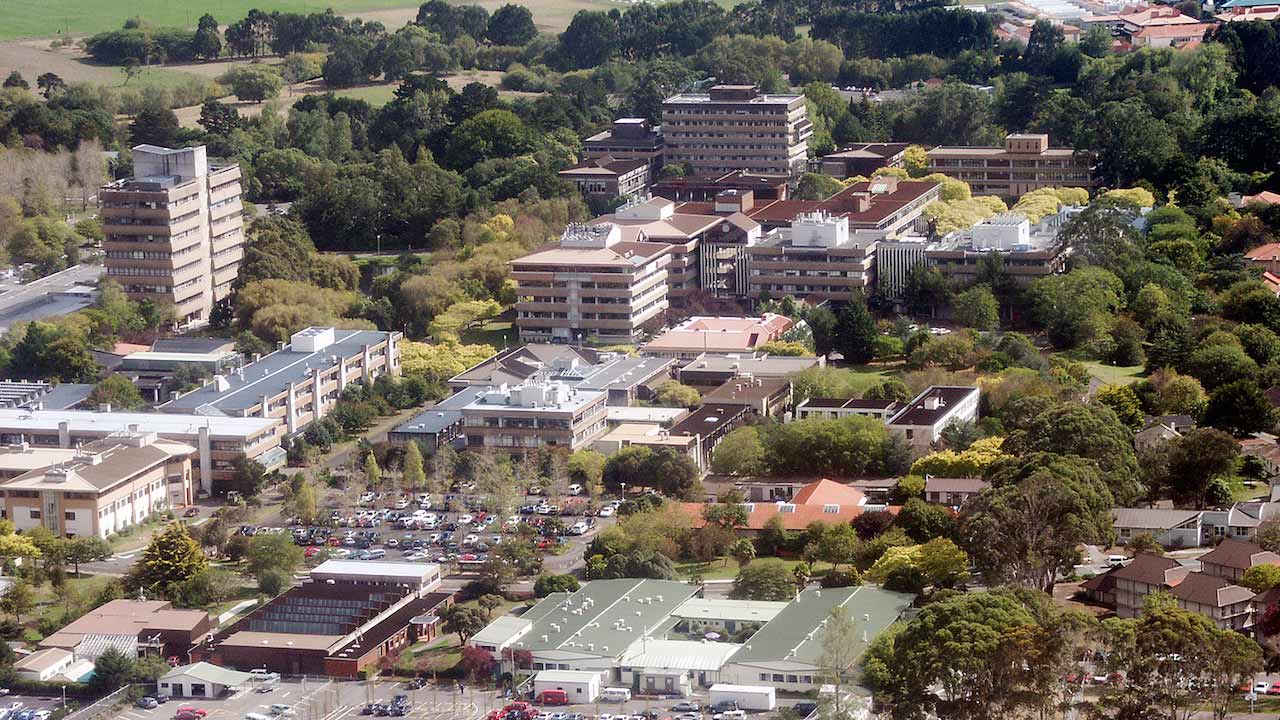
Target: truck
x=744, y=697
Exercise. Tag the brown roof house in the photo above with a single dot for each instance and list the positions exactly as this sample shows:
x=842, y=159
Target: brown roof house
x=1144, y=575
x=952, y=492
x=1232, y=558
x=1217, y=598
x=132, y=624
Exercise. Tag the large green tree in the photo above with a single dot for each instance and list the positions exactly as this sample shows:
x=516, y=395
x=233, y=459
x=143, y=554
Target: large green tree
x=172, y=558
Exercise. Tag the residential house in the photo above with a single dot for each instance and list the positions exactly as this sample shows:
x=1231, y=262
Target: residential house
x=952, y=492
x=1232, y=558
x=1171, y=528
x=1146, y=574
x=1228, y=605
x=819, y=501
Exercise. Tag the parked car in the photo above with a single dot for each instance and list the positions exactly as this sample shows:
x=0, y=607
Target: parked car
x=146, y=703
x=607, y=511
x=191, y=511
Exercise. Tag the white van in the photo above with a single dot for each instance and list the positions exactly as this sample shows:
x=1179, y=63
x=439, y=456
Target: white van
x=1115, y=561
x=615, y=694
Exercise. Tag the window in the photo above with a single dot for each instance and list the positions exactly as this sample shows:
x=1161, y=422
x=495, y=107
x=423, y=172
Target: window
x=35, y=514
x=764, y=677
x=69, y=515
x=792, y=678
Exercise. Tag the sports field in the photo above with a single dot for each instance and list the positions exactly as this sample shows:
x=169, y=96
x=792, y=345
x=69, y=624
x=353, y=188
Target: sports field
x=48, y=18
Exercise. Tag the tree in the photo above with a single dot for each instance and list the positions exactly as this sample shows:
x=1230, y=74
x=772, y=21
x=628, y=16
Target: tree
x=372, y=473
x=207, y=43
x=85, y=548
x=740, y=453
x=768, y=579
x=674, y=394
x=477, y=663
x=1124, y=403
x=15, y=80
x=855, y=333
x=977, y=308
x=1268, y=535
x=1261, y=577
x=923, y=521
x=511, y=25
x=463, y=620
x=18, y=600
x=1076, y=307
x=1193, y=461
x=1091, y=432
x=155, y=126
x=118, y=392
x=547, y=584
x=489, y=603
x=585, y=468
x=247, y=479
x=273, y=582
x=171, y=559
x=743, y=552
x=1144, y=542
x=1239, y=408
x=1040, y=508
x=816, y=186
x=50, y=84
x=415, y=478
x=272, y=552
x=113, y=669
x=841, y=649
x=254, y=83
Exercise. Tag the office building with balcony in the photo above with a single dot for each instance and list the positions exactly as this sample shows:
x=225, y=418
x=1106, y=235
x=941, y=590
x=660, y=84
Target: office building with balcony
x=592, y=285
x=1028, y=251
x=218, y=441
x=1024, y=163
x=175, y=230
x=736, y=127
x=300, y=382
x=535, y=414
x=816, y=258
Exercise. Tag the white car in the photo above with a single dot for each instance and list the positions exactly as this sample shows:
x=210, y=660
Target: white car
x=416, y=556
x=366, y=498
x=606, y=511
x=579, y=528
x=470, y=540
x=465, y=520
x=729, y=715
x=575, y=489
x=402, y=504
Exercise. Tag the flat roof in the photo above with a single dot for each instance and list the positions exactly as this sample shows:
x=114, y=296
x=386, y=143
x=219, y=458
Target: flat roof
x=623, y=373
x=273, y=374
x=708, y=419
x=679, y=654
x=566, y=676
x=917, y=411
x=654, y=415
x=99, y=466
x=724, y=609
x=88, y=421
x=796, y=633
x=194, y=357
x=743, y=390
x=777, y=365
x=430, y=421
x=373, y=569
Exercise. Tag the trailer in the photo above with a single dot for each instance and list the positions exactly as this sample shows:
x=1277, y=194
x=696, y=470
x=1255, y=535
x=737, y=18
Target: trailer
x=746, y=697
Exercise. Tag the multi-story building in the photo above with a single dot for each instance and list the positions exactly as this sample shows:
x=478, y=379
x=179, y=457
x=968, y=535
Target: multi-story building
x=593, y=285
x=863, y=159
x=1232, y=558
x=705, y=188
x=1027, y=252
x=627, y=139
x=736, y=127
x=815, y=258
x=533, y=415
x=108, y=485
x=929, y=413
x=218, y=441
x=1024, y=163
x=1217, y=598
x=608, y=178
x=835, y=408
x=175, y=230
x=300, y=382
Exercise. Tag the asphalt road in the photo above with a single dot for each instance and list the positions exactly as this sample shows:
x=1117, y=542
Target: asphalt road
x=45, y=297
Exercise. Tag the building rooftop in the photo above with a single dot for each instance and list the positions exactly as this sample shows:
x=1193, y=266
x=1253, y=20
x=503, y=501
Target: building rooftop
x=955, y=484
x=644, y=434
x=312, y=349
x=87, y=421
x=795, y=634
x=645, y=415
x=719, y=334
x=194, y=345
x=101, y=465
x=850, y=404
x=127, y=618
x=1239, y=555
x=1152, y=518
x=751, y=391
x=604, y=617
x=359, y=570
x=207, y=672
x=683, y=655
x=1150, y=569
x=756, y=366
x=534, y=396
x=930, y=406
x=1210, y=590
x=42, y=660
x=709, y=419
x=697, y=608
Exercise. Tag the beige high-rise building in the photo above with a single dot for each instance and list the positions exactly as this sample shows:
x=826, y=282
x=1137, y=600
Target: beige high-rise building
x=175, y=230
x=736, y=127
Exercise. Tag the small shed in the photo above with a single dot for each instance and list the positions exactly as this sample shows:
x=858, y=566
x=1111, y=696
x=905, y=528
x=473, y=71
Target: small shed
x=200, y=680
x=44, y=665
x=580, y=686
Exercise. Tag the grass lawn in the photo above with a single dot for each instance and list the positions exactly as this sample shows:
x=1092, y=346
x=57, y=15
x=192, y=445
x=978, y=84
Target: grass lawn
x=1113, y=375
x=717, y=570
x=1244, y=492
x=375, y=95
x=46, y=18
x=49, y=602
x=498, y=333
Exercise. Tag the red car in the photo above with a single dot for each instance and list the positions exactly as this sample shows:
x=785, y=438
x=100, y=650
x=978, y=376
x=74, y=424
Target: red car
x=310, y=551
x=186, y=712
x=191, y=511
x=1274, y=689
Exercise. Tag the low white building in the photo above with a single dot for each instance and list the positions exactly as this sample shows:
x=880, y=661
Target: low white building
x=44, y=665
x=580, y=687
x=929, y=413
x=201, y=680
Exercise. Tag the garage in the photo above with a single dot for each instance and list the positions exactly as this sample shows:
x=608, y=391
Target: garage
x=579, y=687
x=200, y=680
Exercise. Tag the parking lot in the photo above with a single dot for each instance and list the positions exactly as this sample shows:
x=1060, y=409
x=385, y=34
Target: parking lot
x=318, y=699
x=457, y=530
x=25, y=706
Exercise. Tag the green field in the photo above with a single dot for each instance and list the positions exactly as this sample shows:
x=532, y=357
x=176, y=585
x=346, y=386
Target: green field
x=375, y=95
x=1113, y=375
x=47, y=18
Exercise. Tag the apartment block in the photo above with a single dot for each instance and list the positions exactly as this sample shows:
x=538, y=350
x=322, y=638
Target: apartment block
x=592, y=285
x=607, y=178
x=1026, y=162
x=1028, y=251
x=107, y=486
x=736, y=127
x=218, y=441
x=300, y=382
x=627, y=139
x=175, y=230
x=929, y=413
x=534, y=414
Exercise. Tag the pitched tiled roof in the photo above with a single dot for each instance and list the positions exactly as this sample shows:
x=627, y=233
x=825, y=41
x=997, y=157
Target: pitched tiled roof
x=1239, y=555
x=1210, y=590
x=962, y=484
x=1148, y=569
x=825, y=491
x=1151, y=518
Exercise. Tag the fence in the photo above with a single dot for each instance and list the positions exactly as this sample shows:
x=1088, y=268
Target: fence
x=102, y=708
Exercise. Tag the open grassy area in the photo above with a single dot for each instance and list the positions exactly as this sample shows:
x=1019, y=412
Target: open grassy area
x=718, y=570
x=498, y=333
x=47, y=18
x=1113, y=375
